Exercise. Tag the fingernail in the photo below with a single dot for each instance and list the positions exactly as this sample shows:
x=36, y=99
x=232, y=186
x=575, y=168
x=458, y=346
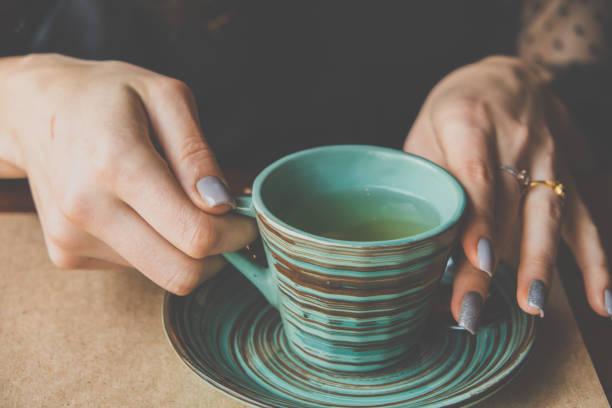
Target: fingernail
x=536, y=297
x=608, y=296
x=470, y=311
x=213, y=191
x=485, y=256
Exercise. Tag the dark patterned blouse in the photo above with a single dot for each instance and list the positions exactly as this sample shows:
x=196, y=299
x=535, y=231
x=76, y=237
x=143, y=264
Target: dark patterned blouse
x=272, y=76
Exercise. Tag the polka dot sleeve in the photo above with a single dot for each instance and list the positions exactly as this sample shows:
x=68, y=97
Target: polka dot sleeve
x=558, y=33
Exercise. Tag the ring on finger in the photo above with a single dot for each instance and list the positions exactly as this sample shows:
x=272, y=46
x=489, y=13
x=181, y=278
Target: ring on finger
x=525, y=182
x=556, y=186
x=522, y=178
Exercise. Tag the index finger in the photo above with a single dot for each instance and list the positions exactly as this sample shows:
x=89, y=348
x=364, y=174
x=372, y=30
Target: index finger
x=174, y=120
x=148, y=186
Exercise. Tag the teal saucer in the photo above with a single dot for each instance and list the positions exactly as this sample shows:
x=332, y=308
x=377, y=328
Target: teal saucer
x=228, y=334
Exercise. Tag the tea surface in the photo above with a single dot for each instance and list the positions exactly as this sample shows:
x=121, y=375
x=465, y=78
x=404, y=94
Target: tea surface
x=370, y=214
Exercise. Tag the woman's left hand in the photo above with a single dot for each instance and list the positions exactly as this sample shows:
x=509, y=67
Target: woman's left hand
x=495, y=112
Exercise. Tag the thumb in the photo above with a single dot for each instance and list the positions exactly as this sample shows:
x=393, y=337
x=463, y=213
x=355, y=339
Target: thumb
x=174, y=120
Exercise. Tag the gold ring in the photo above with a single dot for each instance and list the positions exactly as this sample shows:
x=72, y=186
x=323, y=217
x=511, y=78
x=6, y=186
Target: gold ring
x=522, y=178
x=556, y=186
x=525, y=182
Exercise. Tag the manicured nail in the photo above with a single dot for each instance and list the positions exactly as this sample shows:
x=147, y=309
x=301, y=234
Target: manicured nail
x=214, y=192
x=470, y=311
x=536, y=297
x=485, y=256
x=608, y=294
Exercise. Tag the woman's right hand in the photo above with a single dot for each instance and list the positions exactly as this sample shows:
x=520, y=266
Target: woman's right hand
x=85, y=133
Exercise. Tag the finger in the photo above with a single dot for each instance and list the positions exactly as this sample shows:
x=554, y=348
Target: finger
x=581, y=234
x=471, y=286
x=465, y=133
x=542, y=215
x=69, y=243
x=148, y=186
x=150, y=253
x=470, y=289
x=174, y=119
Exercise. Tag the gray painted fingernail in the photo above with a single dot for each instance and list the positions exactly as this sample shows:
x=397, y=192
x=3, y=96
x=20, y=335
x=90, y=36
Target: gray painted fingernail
x=485, y=256
x=536, y=297
x=608, y=296
x=470, y=311
x=213, y=191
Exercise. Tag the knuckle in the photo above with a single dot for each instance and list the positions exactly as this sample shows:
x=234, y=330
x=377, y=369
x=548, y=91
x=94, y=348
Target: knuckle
x=472, y=109
x=201, y=238
x=477, y=172
x=522, y=134
x=60, y=234
x=108, y=161
x=75, y=206
x=105, y=167
x=514, y=66
x=63, y=259
x=463, y=118
x=119, y=92
x=518, y=69
x=175, y=87
x=185, y=280
x=194, y=151
x=551, y=208
x=501, y=59
x=114, y=64
x=119, y=162
x=555, y=210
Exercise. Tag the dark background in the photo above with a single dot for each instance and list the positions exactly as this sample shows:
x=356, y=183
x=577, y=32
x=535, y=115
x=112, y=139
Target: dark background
x=271, y=77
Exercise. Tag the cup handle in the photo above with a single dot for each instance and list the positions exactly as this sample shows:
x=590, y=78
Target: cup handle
x=261, y=277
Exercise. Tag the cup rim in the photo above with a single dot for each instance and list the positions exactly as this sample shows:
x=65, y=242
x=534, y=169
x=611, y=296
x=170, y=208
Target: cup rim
x=277, y=223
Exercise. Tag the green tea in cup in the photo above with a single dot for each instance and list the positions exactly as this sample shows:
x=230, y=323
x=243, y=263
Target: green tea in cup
x=364, y=214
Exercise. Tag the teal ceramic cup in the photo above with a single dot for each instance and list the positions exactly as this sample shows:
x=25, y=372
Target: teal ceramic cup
x=350, y=305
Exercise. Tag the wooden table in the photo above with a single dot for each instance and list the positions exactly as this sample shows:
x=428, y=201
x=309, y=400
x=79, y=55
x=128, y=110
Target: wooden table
x=550, y=369
x=596, y=331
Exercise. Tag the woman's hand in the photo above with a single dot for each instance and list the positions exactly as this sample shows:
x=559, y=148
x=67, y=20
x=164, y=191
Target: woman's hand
x=499, y=112
x=86, y=135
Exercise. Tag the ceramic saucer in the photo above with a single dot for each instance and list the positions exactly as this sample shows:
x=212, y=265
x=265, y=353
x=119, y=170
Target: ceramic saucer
x=227, y=333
